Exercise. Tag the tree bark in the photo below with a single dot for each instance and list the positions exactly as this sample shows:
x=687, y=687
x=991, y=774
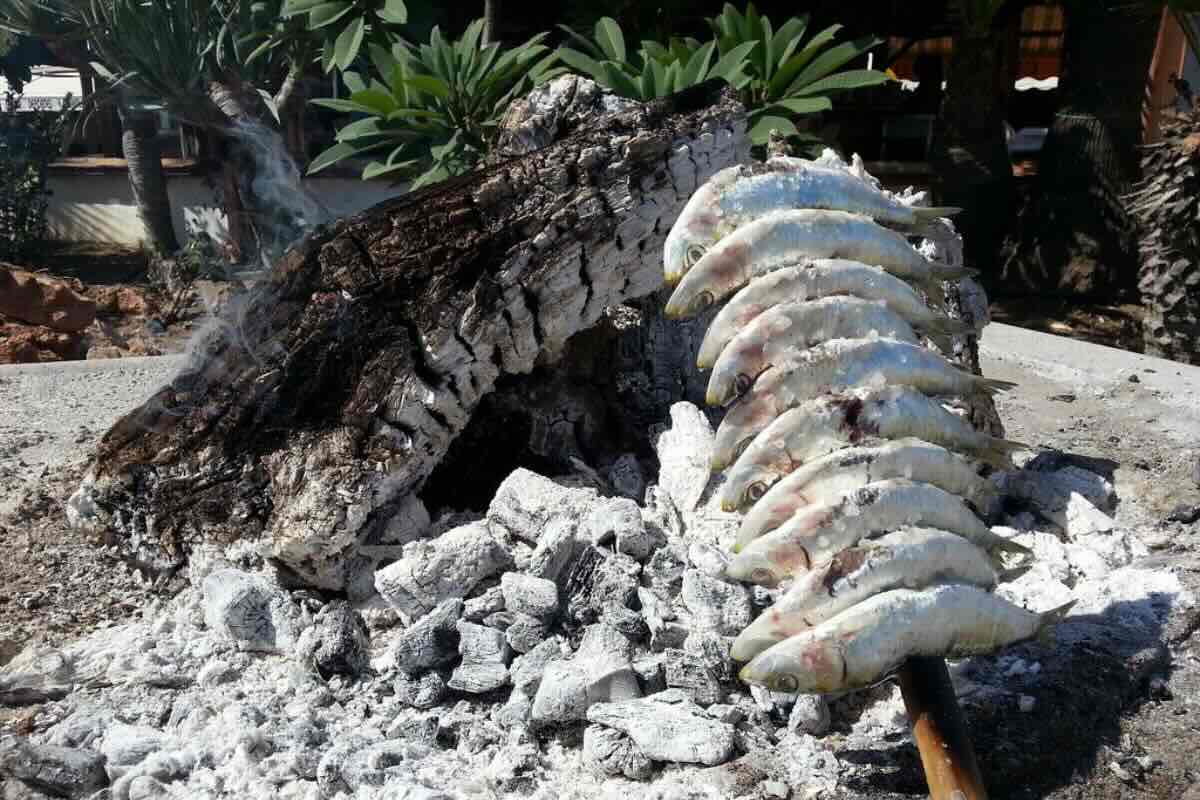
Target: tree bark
x=143, y=156
x=317, y=409
x=491, y=13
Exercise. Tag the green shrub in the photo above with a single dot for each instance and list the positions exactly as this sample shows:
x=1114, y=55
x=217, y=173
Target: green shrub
x=29, y=141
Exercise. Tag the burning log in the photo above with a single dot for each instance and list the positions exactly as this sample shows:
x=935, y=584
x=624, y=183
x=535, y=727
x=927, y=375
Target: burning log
x=312, y=413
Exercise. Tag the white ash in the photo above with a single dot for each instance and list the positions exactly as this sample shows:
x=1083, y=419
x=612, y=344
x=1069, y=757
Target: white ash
x=625, y=674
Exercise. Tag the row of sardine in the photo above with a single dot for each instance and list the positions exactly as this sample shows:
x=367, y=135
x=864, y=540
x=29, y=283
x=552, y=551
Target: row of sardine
x=856, y=483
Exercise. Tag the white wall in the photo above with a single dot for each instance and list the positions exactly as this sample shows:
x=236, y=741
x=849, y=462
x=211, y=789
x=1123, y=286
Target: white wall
x=99, y=206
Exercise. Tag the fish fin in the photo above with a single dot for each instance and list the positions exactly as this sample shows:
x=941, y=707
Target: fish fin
x=941, y=329
x=1009, y=546
x=993, y=386
x=1049, y=620
x=998, y=452
x=936, y=212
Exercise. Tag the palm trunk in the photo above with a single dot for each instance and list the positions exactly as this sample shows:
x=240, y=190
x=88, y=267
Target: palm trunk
x=146, y=179
x=491, y=12
x=969, y=153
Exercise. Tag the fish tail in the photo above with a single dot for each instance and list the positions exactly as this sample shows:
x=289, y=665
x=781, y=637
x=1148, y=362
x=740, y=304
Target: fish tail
x=991, y=385
x=936, y=212
x=942, y=330
x=1048, y=620
x=998, y=452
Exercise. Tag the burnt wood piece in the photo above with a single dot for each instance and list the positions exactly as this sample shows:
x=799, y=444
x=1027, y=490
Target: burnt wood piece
x=312, y=412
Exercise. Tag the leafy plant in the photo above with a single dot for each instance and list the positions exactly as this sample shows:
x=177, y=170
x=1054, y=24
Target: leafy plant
x=790, y=75
x=346, y=27
x=29, y=140
x=656, y=70
x=435, y=106
x=779, y=73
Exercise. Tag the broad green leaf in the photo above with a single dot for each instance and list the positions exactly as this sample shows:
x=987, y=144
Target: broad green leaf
x=354, y=81
x=814, y=46
x=327, y=14
x=582, y=63
x=760, y=131
x=792, y=29
x=429, y=84
x=269, y=101
x=845, y=81
x=381, y=102
x=587, y=44
x=339, y=152
x=393, y=11
x=377, y=168
x=369, y=128
x=697, y=66
x=831, y=60
x=766, y=53
x=293, y=7
x=382, y=60
x=345, y=49
x=610, y=38
x=617, y=80
x=732, y=62
x=344, y=106
x=656, y=51
x=802, y=105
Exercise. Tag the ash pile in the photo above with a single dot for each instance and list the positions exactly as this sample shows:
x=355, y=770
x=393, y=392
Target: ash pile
x=573, y=641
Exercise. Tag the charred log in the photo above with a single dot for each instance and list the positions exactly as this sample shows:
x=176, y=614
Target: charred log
x=312, y=414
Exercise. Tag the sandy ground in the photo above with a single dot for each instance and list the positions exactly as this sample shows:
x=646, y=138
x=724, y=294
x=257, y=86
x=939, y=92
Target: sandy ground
x=1080, y=399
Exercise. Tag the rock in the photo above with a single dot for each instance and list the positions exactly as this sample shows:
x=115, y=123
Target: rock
x=126, y=746
x=600, y=671
x=525, y=594
x=527, y=669
x=664, y=573
x=597, y=580
x=710, y=560
x=617, y=522
x=555, y=549
x=626, y=620
x=489, y=602
x=431, y=640
x=525, y=503
x=250, y=611
x=59, y=771
x=423, y=692
x=1084, y=519
x=689, y=672
x=337, y=643
x=674, y=731
x=1063, y=495
x=1185, y=513
x=434, y=570
x=513, y=768
x=660, y=514
x=611, y=752
x=713, y=651
x=485, y=656
x=626, y=478
x=775, y=790
x=500, y=620
x=34, y=344
x=43, y=301
x=715, y=604
x=515, y=712
x=810, y=714
x=684, y=456
x=651, y=673
x=525, y=633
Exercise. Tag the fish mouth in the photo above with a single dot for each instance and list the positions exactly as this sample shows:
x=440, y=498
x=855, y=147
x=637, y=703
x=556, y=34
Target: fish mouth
x=704, y=363
x=730, y=505
x=672, y=278
x=717, y=463
x=672, y=312
x=716, y=397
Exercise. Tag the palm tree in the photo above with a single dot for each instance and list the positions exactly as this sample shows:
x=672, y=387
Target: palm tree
x=62, y=27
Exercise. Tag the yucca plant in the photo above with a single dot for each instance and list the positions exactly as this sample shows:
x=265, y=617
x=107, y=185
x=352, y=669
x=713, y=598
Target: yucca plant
x=789, y=76
x=656, y=70
x=434, y=107
x=347, y=27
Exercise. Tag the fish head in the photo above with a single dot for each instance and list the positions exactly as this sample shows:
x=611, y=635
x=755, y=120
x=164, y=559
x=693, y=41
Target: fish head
x=747, y=483
x=803, y=663
x=735, y=371
x=720, y=272
x=696, y=230
x=754, y=565
x=741, y=424
x=757, y=637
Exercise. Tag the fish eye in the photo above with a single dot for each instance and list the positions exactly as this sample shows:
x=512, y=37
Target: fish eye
x=762, y=575
x=703, y=301
x=755, y=491
x=742, y=383
x=786, y=684
x=693, y=254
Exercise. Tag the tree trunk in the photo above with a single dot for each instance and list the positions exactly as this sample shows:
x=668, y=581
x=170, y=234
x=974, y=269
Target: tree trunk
x=144, y=159
x=491, y=13
x=969, y=152
x=313, y=415
x=1074, y=235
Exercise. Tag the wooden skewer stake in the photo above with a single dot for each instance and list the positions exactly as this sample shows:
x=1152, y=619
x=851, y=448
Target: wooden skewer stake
x=940, y=731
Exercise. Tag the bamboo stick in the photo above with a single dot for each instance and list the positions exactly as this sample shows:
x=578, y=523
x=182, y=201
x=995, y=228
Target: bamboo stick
x=940, y=731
